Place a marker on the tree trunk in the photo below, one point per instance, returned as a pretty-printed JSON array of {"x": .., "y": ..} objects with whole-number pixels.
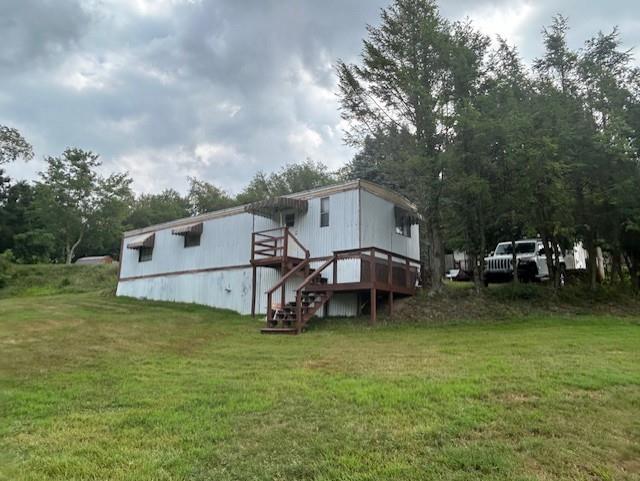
[
  {"x": 477, "y": 274},
  {"x": 634, "y": 271},
  {"x": 483, "y": 247},
  {"x": 592, "y": 262},
  {"x": 548, "y": 252},
  {"x": 616, "y": 267},
  {"x": 514, "y": 261},
  {"x": 436, "y": 255},
  {"x": 557, "y": 272},
  {"x": 71, "y": 251}
]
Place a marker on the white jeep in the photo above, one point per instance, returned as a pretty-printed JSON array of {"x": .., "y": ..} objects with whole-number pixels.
[{"x": 532, "y": 263}]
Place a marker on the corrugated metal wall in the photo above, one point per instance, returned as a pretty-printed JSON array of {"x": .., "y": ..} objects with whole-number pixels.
[
  {"x": 226, "y": 241},
  {"x": 342, "y": 232},
  {"x": 229, "y": 289},
  {"x": 379, "y": 227}
]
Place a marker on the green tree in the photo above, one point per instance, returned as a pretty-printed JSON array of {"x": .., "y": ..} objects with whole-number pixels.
[
  {"x": 289, "y": 179},
  {"x": 12, "y": 147},
  {"x": 15, "y": 212},
  {"x": 608, "y": 84},
  {"x": 74, "y": 202},
  {"x": 150, "y": 209},
  {"x": 417, "y": 69},
  {"x": 206, "y": 197}
]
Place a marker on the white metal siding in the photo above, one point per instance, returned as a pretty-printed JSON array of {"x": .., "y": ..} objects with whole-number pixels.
[
  {"x": 229, "y": 289},
  {"x": 226, "y": 241},
  {"x": 342, "y": 231},
  {"x": 379, "y": 227}
]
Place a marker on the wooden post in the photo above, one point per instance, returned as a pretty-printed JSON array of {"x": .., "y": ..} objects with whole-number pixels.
[
  {"x": 269, "y": 310},
  {"x": 335, "y": 269},
  {"x": 285, "y": 245},
  {"x": 374, "y": 307},
  {"x": 374, "y": 293},
  {"x": 253, "y": 279},
  {"x": 390, "y": 303},
  {"x": 283, "y": 287},
  {"x": 253, "y": 292},
  {"x": 372, "y": 267},
  {"x": 299, "y": 311},
  {"x": 390, "y": 270},
  {"x": 285, "y": 255}
]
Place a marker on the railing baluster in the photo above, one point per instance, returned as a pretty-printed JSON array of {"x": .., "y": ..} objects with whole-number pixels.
[{"x": 335, "y": 269}]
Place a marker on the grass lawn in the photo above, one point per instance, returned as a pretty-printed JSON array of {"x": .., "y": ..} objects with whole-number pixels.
[{"x": 94, "y": 387}]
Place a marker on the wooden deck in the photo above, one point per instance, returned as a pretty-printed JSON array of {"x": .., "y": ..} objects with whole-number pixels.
[{"x": 382, "y": 272}]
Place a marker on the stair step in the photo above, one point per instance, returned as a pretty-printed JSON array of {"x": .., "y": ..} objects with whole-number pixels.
[{"x": 279, "y": 330}]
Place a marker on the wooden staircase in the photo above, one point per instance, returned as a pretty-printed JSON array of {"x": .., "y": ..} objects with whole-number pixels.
[
  {"x": 292, "y": 317},
  {"x": 277, "y": 248},
  {"x": 382, "y": 273},
  {"x": 285, "y": 320}
]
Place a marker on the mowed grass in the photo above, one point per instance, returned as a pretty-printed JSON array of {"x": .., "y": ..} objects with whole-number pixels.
[{"x": 95, "y": 387}]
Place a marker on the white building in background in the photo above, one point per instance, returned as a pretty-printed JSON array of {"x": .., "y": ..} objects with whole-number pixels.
[{"x": 312, "y": 249}]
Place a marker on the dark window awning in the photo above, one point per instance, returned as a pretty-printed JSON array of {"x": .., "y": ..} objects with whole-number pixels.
[
  {"x": 269, "y": 207},
  {"x": 188, "y": 229},
  {"x": 145, "y": 240},
  {"x": 403, "y": 215}
]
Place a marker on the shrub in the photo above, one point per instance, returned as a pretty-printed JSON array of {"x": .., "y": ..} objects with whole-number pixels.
[{"x": 6, "y": 267}]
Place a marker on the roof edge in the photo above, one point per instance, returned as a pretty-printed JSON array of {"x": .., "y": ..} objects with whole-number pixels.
[{"x": 370, "y": 187}]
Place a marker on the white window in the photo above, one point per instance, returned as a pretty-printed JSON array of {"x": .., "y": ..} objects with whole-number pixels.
[{"x": 324, "y": 212}]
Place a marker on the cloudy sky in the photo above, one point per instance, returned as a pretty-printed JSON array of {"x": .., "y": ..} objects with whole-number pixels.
[{"x": 216, "y": 89}]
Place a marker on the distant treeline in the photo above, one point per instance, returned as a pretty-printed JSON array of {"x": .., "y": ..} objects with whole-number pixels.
[{"x": 72, "y": 211}]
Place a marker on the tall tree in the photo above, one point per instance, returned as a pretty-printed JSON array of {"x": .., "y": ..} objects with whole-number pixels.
[
  {"x": 74, "y": 201},
  {"x": 554, "y": 144},
  {"x": 416, "y": 70},
  {"x": 15, "y": 212},
  {"x": 608, "y": 82},
  {"x": 12, "y": 147}
]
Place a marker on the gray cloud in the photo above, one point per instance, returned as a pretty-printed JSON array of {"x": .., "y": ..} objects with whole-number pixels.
[{"x": 216, "y": 89}]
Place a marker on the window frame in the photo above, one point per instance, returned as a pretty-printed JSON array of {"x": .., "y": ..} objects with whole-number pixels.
[
  {"x": 192, "y": 239},
  {"x": 325, "y": 217},
  {"x": 287, "y": 216},
  {"x": 402, "y": 227},
  {"x": 142, "y": 254}
]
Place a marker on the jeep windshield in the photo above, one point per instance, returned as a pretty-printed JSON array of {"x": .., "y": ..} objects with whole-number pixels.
[{"x": 521, "y": 248}]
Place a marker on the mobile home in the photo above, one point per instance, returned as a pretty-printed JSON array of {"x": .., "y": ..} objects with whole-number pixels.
[{"x": 339, "y": 250}]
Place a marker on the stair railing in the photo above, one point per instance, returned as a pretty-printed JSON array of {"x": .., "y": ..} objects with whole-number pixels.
[
  {"x": 281, "y": 284},
  {"x": 289, "y": 235},
  {"x": 299, "y": 321}
]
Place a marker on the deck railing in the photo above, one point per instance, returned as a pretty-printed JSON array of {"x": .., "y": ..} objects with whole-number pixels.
[{"x": 277, "y": 243}]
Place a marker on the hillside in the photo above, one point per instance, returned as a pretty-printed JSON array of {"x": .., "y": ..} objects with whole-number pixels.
[
  {"x": 456, "y": 303},
  {"x": 49, "y": 279}
]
